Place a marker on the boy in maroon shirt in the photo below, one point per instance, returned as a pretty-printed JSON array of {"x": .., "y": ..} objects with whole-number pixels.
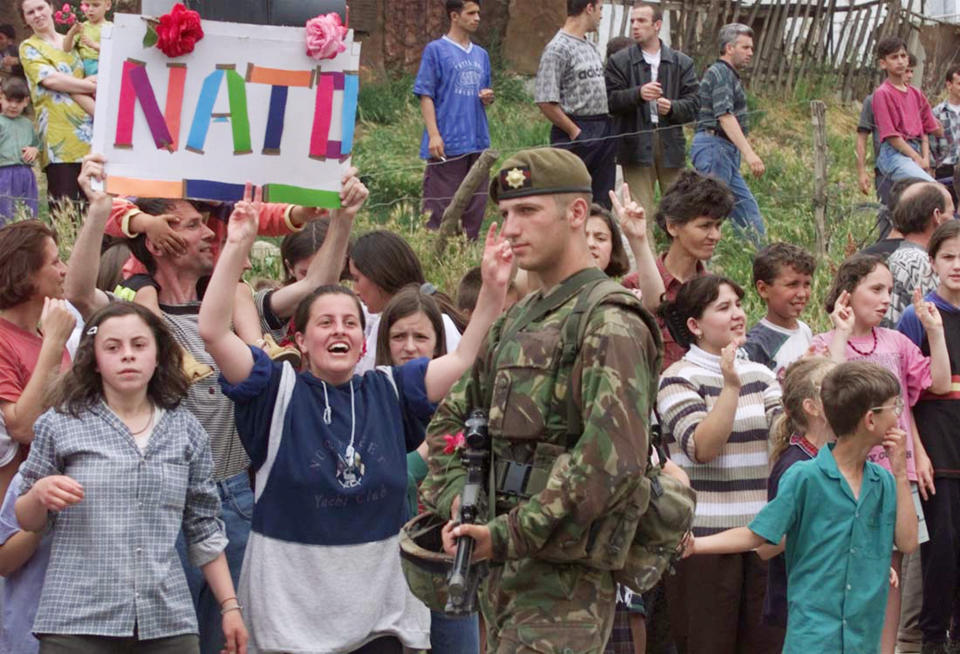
[{"x": 903, "y": 117}]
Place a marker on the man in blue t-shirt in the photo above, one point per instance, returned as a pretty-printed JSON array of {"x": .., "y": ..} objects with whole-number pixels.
[{"x": 454, "y": 89}]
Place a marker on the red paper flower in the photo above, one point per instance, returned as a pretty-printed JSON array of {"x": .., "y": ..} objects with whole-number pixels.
[
  {"x": 454, "y": 443},
  {"x": 325, "y": 35},
  {"x": 178, "y": 31}
]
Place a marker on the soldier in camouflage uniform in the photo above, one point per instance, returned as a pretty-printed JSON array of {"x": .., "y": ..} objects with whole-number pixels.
[{"x": 557, "y": 495}]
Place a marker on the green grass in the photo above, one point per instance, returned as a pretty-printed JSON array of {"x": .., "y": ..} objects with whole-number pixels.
[
  {"x": 782, "y": 134},
  {"x": 387, "y": 147}
]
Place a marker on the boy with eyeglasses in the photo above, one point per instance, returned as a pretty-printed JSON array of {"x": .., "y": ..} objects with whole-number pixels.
[{"x": 840, "y": 516}]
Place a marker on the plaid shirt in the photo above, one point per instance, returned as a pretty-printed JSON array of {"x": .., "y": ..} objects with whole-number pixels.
[
  {"x": 721, "y": 93},
  {"x": 114, "y": 563},
  {"x": 945, "y": 149}
]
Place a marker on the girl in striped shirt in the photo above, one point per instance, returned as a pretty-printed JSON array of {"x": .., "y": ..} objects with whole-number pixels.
[{"x": 716, "y": 411}]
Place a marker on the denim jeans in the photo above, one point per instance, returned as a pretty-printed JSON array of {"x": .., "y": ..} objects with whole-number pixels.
[
  {"x": 898, "y": 166},
  {"x": 450, "y": 635},
  {"x": 236, "y": 511},
  {"x": 719, "y": 158}
]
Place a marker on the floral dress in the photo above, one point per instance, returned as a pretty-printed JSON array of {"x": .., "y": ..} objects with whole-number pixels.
[{"x": 65, "y": 128}]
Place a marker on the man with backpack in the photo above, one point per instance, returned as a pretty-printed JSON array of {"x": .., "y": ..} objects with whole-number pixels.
[{"x": 567, "y": 378}]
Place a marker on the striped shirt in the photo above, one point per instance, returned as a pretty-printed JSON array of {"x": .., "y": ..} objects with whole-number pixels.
[
  {"x": 205, "y": 400},
  {"x": 731, "y": 488}
]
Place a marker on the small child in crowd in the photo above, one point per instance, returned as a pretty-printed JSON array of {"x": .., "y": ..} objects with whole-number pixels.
[
  {"x": 19, "y": 145},
  {"x": 797, "y": 435},
  {"x": 903, "y": 117},
  {"x": 783, "y": 277},
  {"x": 85, "y": 37},
  {"x": 841, "y": 516}
]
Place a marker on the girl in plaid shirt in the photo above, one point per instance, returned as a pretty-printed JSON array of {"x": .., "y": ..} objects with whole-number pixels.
[{"x": 118, "y": 469}]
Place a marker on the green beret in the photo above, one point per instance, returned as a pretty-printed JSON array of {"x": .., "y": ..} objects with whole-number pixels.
[{"x": 542, "y": 171}]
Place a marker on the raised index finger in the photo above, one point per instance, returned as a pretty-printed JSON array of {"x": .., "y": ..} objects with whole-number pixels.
[{"x": 247, "y": 188}]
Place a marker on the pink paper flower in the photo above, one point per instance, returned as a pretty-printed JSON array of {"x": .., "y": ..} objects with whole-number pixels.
[
  {"x": 454, "y": 443},
  {"x": 325, "y": 35}
]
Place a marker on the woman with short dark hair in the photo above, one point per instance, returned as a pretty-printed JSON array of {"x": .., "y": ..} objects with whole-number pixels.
[{"x": 31, "y": 294}]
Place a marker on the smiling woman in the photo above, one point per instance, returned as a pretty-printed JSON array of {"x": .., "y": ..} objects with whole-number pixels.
[
  {"x": 717, "y": 410},
  {"x": 331, "y": 474}
]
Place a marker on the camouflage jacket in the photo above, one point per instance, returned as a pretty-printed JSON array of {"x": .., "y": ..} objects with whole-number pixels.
[{"x": 614, "y": 382}]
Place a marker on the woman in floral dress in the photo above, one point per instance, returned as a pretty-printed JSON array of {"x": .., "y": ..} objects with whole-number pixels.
[{"x": 54, "y": 77}]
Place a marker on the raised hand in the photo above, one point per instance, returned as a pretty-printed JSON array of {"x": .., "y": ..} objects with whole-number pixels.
[
  {"x": 629, "y": 214},
  {"x": 160, "y": 232},
  {"x": 353, "y": 195},
  {"x": 245, "y": 219},
  {"x": 728, "y": 363},
  {"x": 57, "y": 492},
  {"x": 92, "y": 171},
  {"x": 895, "y": 445},
  {"x": 497, "y": 264},
  {"x": 927, "y": 312},
  {"x": 842, "y": 316},
  {"x": 56, "y": 320}
]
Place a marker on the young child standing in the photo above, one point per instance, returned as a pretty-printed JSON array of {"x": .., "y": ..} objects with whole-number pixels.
[
  {"x": 85, "y": 37},
  {"x": 841, "y": 515},
  {"x": 903, "y": 117},
  {"x": 19, "y": 148},
  {"x": 783, "y": 276},
  {"x": 797, "y": 435},
  {"x": 857, "y": 302},
  {"x": 937, "y": 418}
]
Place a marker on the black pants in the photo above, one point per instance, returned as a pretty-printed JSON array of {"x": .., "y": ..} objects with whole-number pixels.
[
  {"x": 62, "y": 186},
  {"x": 940, "y": 559},
  {"x": 598, "y": 150},
  {"x": 60, "y": 644},
  {"x": 441, "y": 179}
]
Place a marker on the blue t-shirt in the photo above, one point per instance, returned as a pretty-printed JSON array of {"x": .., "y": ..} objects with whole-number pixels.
[
  {"x": 453, "y": 77},
  {"x": 316, "y": 493}
]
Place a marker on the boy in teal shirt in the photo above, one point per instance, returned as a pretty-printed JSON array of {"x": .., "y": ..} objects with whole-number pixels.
[{"x": 841, "y": 516}]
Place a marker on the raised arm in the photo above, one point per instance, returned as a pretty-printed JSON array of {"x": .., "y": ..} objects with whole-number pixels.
[
  {"x": 328, "y": 262},
  {"x": 633, "y": 221},
  {"x": 712, "y": 433},
  {"x": 80, "y": 286},
  {"x": 232, "y": 355},
  {"x": 932, "y": 323},
  {"x": 495, "y": 270}
]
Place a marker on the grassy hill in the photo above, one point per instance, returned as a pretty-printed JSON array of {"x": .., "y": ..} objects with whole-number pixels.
[{"x": 388, "y": 144}]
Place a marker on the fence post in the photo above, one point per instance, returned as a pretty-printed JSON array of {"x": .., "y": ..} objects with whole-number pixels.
[
  {"x": 450, "y": 223},
  {"x": 818, "y": 113}
]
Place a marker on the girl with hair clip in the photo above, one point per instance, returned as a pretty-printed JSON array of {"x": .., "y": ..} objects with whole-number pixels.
[
  {"x": 411, "y": 327},
  {"x": 381, "y": 263},
  {"x": 857, "y": 303},
  {"x": 329, "y": 450},
  {"x": 717, "y": 411},
  {"x": 118, "y": 468},
  {"x": 797, "y": 435}
]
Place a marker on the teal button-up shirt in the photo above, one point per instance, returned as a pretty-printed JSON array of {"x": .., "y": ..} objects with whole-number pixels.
[{"x": 838, "y": 554}]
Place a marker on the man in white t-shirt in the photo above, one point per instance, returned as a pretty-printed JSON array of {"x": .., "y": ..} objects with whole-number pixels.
[{"x": 945, "y": 150}]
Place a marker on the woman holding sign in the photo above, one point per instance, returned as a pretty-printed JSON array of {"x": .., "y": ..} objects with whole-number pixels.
[{"x": 56, "y": 83}]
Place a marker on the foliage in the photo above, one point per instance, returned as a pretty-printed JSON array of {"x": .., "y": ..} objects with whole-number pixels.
[{"x": 387, "y": 147}]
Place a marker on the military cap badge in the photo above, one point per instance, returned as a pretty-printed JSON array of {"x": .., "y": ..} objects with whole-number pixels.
[{"x": 515, "y": 178}]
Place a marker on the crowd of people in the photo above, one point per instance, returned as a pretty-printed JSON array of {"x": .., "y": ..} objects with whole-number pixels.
[{"x": 191, "y": 464}]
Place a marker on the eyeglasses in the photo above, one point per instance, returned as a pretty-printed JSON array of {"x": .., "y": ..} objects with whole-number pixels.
[{"x": 897, "y": 407}]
